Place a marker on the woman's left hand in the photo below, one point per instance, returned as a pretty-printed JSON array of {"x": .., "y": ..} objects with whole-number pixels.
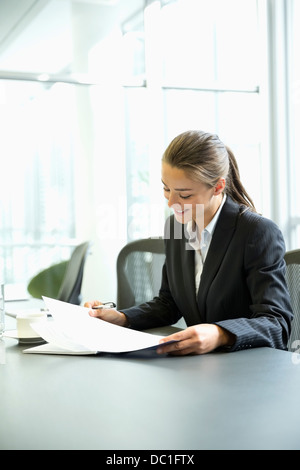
[{"x": 198, "y": 339}]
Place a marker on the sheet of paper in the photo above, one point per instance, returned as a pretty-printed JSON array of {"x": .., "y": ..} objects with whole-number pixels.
[
  {"x": 72, "y": 328},
  {"x": 48, "y": 348},
  {"x": 51, "y": 332}
]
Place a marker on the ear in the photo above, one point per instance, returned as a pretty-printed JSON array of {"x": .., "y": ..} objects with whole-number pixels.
[{"x": 220, "y": 186}]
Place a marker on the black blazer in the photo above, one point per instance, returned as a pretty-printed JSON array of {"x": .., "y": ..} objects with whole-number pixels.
[{"x": 242, "y": 288}]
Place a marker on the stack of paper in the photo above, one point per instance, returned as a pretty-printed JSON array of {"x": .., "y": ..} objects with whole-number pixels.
[{"x": 73, "y": 331}]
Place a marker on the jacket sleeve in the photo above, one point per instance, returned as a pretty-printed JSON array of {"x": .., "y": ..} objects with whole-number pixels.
[
  {"x": 271, "y": 314},
  {"x": 160, "y": 311}
]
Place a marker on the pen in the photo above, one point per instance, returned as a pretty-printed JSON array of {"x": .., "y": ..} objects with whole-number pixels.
[{"x": 105, "y": 305}]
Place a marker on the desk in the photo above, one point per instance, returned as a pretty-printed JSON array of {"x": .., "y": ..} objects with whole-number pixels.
[{"x": 241, "y": 400}]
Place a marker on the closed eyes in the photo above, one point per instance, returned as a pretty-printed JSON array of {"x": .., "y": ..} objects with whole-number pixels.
[{"x": 182, "y": 197}]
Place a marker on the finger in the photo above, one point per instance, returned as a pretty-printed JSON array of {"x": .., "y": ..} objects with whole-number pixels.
[
  {"x": 179, "y": 336},
  {"x": 176, "y": 347},
  {"x": 93, "y": 303},
  {"x": 183, "y": 352},
  {"x": 176, "y": 351},
  {"x": 96, "y": 313},
  {"x": 103, "y": 314}
]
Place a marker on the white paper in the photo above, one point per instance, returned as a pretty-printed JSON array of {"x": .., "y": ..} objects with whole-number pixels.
[
  {"x": 73, "y": 329},
  {"x": 53, "y": 349},
  {"x": 51, "y": 332}
]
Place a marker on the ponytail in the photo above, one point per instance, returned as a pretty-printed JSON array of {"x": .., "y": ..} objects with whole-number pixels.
[
  {"x": 206, "y": 159},
  {"x": 234, "y": 186}
]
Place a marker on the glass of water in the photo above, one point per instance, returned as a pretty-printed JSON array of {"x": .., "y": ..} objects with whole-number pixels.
[{"x": 2, "y": 310}]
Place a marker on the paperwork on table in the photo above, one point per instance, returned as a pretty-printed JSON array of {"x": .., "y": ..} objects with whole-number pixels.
[{"x": 71, "y": 330}]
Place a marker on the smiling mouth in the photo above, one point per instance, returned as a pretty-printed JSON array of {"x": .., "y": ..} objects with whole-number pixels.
[{"x": 180, "y": 211}]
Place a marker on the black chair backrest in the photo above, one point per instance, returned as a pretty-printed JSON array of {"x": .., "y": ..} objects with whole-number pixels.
[
  {"x": 292, "y": 259},
  {"x": 70, "y": 289},
  {"x": 139, "y": 271}
]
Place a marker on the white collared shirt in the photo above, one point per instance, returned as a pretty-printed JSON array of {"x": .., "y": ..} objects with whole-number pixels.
[{"x": 201, "y": 245}]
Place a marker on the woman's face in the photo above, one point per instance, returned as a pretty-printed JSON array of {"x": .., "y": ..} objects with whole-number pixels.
[{"x": 190, "y": 200}]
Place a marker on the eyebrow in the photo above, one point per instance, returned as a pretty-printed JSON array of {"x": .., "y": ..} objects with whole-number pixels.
[{"x": 178, "y": 189}]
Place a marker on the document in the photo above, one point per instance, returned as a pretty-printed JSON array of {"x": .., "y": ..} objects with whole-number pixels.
[{"x": 71, "y": 330}]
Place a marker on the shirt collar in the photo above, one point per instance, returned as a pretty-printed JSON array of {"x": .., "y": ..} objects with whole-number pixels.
[
  {"x": 211, "y": 226},
  {"x": 206, "y": 233}
]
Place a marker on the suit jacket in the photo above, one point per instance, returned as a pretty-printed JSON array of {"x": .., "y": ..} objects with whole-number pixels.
[{"x": 242, "y": 287}]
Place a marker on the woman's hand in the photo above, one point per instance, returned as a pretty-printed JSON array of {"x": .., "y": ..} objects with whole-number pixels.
[
  {"x": 198, "y": 339},
  {"x": 110, "y": 315}
]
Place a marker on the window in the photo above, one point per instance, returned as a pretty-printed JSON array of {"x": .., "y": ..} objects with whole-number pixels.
[
  {"x": 196, "y": 76},
  {"x": 50, "y": 142},
  {"x": 293, "y": 18},
  {"x": 36, "y": 193},
  {"x": 90, "y": 145}
]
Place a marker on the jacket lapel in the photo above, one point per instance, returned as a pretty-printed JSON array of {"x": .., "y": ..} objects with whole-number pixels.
[
  {"x": 189, "y": 291},
  {"x": 221, "y": 238}
]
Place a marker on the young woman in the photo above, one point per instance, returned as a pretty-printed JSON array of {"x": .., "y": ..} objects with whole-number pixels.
[{"x": 224, "y": 270}]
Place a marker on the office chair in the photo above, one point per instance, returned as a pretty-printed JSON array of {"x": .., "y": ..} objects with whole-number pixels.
[
  {"x": 139, "y": 271},
  {"x": 292, "y": 259},
  {"x": 62, "y": 281}
]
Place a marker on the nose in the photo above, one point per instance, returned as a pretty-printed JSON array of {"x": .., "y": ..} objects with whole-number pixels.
[{"x": 172, "y": 199}]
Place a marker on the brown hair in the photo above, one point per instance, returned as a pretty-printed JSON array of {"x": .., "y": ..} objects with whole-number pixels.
[{"x": 206, "y": 159}]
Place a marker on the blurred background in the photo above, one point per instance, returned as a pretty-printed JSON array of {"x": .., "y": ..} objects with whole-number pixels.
[{"x": 91, "y": 93}]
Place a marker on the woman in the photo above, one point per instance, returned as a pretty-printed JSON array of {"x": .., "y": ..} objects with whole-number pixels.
[{"x": 224, "y": 270}]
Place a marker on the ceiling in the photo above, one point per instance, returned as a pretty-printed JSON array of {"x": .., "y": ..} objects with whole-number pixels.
[{"x": 40, "y": 36}]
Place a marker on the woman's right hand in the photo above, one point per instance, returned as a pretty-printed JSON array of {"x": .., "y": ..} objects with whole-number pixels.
[{"x": 110, "y": 315}]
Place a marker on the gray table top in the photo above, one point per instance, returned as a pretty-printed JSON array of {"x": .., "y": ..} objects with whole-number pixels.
[{"x": 241, "y": 400}]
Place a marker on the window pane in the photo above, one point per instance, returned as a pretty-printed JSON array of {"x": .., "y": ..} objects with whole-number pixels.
[
  {"x": 188, "y": 46},
  {"x": 54, "y": 37},
  {"x": 133, "y": 47},
  {"x": 237, "y": 46},
  {"x": 199, "y": 57},
  {"x": 36, "y": 192},
  {"x": 137, "y": 163},
  {"x": 294, "y": 128},
  {"x": 239, "y": 127},
  {"x": 233, "y": 116},
  {"x": 205, "y": 42},
  {"x": 188, "y": 109}
]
